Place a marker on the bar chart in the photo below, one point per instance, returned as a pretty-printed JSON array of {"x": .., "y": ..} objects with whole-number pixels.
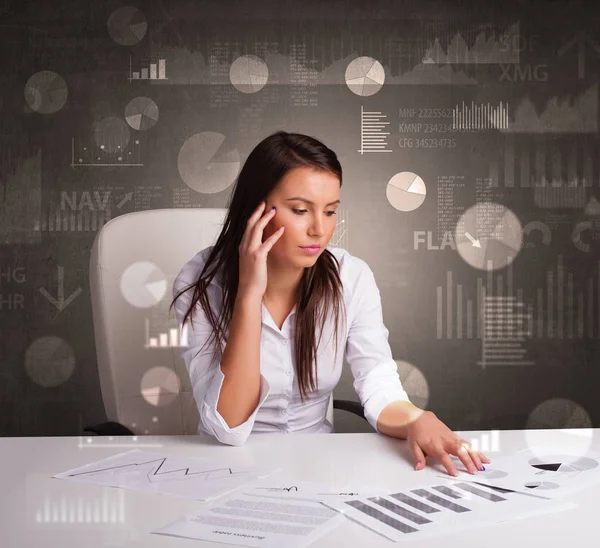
[
  {"x": 168, "y": 339},
  {"x": 54, "y": 219},
  {"x": 557, "y": 310},
  {"x": 155, "y": 70},
  {"x": 478, "y": 117},
  {"x": 559, "y": 175},
  {"x": 109, "y": 508},
  {"x": 372, "y": 136}
]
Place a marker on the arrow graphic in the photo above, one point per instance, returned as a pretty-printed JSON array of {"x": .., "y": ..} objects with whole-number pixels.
[
  {"x": 580, "y": 39},
  {"x": 126, "y": 198},
  {"x": 60, "y": 303},
  {"x": 472, "y": 240}
]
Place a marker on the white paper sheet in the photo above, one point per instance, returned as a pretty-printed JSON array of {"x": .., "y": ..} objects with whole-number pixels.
[
  {"x": 186, "y": 477},
  {"x": 269, "y": 515},
  {"x": 437, "y": 509},
  {"x": 282, "y": 485},
  {"x": 551, "y": 476}
]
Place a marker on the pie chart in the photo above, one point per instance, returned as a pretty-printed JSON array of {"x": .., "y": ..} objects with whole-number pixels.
[
  {"x": 406, "y": 191},
  {"x": 249, "y": 74},
  {"x": 208, "y": 163},
  {"x": 143, "y": 284},
  {"x": 364, "y": 76},
  {"x": 559, "y": 413},
  {"x": 46, "y": 92},
  {"x": 141, "y": 113},
  {"x": 563, "y": 463},
  {"x": 160, "y": 386},
  {"x": 414, "y": 383},
  {"x": 49, "y": 361},
  {"x": 127, "y": 26},
  {"x": 488, "y": 236}
]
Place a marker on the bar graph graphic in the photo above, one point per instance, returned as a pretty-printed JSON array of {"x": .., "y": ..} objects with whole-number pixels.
[
  {"x": 372, "y": 136},
  {"x": 559, "y": 172},
  {"x": 563, "y": 313},
  {"x": 108, "y": 508},
  {"x": 20, "y": 196},
  {"x": 477, "y": 117},
  {"x": 55, "y": 219},
  {"x": 168, "y": 339},
  {"x": 486, "y": 442},
  {"x": 556, "y": 311},
  {"x": 156, "y": 70}
]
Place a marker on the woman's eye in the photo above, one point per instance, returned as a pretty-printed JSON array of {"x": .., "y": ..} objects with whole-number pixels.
[{"x": 302, "y": 211}]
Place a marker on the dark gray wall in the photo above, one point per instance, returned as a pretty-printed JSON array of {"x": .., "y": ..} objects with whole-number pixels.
[{"x": 507, "y": 344}]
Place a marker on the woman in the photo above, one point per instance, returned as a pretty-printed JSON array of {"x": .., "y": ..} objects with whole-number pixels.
[{"x": 264, "y": 291}]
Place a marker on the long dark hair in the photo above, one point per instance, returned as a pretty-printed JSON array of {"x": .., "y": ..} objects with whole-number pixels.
[{"x": 320, "y": 285}]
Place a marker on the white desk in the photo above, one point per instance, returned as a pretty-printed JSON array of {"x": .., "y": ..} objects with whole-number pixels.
[{"x": 32, "y": 499}]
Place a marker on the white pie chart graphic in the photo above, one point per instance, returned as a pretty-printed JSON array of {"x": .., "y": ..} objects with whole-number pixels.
[
  {"x": 127, "y": 25},
  {"x": 143, "y": 284},
  {"x": 488, "y": 236},
  {"x": 46, "y": 92},
  {"x": 208, "y": 163},
  {"x": 141, "y": 113},
  {"x": 406, "y": 191},
  {"x": 160, "y": 386},
  {"x": 249, "y": 74},
  {"x": 364, "y": 76}
]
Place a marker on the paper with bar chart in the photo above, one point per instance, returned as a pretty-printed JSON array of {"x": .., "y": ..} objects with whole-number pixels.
[
  {"x": 438, "y": 509},
  {"x": 152, "y": 472},
  {"x": 552, "y": 475}
]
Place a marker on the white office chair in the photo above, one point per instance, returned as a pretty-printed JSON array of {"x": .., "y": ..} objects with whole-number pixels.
[{"x": 134, "y": 262}]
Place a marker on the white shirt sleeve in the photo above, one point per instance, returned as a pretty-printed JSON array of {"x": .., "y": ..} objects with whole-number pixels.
[
  {"x": 205, "y": 372},
  {"x": 368, "y": 352}
]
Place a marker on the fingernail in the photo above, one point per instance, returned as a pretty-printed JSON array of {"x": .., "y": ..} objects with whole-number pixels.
[
  {"x": 482, "y": 468},
  {"x": 455, "y": 473},
  {"x": 272, "y": 208}
]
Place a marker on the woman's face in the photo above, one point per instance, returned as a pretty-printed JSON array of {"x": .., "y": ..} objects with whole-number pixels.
[{"x": 306, "y": 200}]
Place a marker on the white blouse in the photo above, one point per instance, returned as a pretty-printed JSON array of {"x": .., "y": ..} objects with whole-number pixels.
[{"x": 280, "y": 409}]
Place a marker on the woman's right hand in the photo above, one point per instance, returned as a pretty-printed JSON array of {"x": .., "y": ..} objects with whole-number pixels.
[{"x": 253, "y": 252}]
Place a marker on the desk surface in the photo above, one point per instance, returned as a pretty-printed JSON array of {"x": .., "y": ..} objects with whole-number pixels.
[{"x": 30, "y": 494}]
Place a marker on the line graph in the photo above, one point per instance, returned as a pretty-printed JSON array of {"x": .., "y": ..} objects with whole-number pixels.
[
  {"x": 154, "y": 474},
  {"x": 178, "y": 475}
]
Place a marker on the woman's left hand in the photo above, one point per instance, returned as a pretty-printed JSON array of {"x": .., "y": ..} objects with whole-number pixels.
[{"x": 427, "y": 435}]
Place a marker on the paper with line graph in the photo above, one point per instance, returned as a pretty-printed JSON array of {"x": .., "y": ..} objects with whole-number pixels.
[
  {"x": 438, "y": 509},
  {"x": 187, "y": 477}
]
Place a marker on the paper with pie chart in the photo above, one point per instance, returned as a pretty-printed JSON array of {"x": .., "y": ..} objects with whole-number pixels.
[
  {"x": 152, "y": 472},
  {"x": 551, "y": 475}
]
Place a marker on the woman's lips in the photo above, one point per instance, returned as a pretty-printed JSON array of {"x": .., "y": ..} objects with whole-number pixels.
[{"x": 311, "y": 250}]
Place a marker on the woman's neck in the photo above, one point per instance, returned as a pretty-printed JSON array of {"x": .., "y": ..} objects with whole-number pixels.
[{"x": 282, "y": 284}]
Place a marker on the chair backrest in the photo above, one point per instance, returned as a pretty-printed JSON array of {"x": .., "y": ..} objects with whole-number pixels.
[{"x": 134, "y": 262}]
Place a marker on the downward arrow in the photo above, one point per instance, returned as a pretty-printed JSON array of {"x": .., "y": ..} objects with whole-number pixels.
[
  {"x": 60, "y": 303},
  {"x": 472, "y": 240}
]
